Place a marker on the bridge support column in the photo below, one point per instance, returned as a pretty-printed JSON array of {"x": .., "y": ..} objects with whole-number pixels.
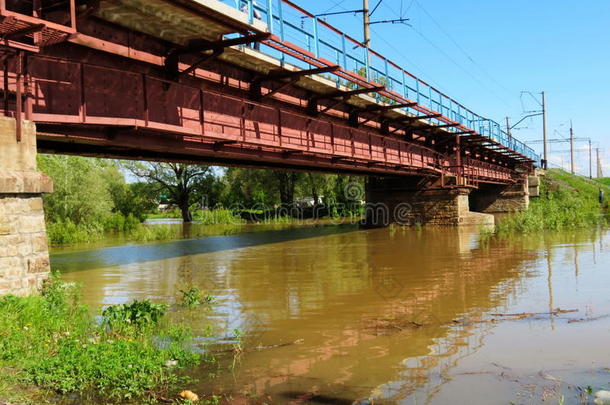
[
  {"x": 496, "y": 199},
  {"x": 414, "y": 201},
  {"x": 24, "y": 254}
]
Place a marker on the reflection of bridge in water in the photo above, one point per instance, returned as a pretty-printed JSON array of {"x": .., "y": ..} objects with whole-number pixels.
[{"x": 352, "y": 303}]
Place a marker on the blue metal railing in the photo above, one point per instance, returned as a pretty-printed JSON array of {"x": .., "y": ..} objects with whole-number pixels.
[{"x": 295, "y": 25}]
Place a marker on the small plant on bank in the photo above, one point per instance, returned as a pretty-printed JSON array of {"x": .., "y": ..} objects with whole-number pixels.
[{"x": 137, "y": 314}]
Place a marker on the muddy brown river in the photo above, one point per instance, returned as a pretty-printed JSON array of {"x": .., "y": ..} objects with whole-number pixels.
[{"x": 332, "y": 314}]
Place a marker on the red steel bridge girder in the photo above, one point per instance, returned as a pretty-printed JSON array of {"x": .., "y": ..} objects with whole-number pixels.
[{"x": 61, "y": 94}]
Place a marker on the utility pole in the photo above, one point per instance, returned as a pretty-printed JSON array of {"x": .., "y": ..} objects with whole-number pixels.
[
  {"x": 571, "y": 148},
  {"x": 599, "y": 166},
  {"x": 590, "y": 162},
  {"x": 545, "y": 165},
  {"x": 367, "y": 23},
  {"x": 508, "y": 127}
]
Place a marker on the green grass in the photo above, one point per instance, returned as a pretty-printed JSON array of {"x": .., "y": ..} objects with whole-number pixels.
[
  {"x": 50, "y": 343},
  {"x": 566, "y": 202},
  {"x": 605, "y": 181},
  {"x": 217, "y": 217}
]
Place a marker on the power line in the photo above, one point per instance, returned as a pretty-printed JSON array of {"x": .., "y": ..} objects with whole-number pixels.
[
  {"x": 375, "y": 8},
  {"x": 440, "y": 50},
  {"x": 335, "y": 4},
  {"x": 459, "y": 47},
  {"x": 400, "y": 55},
  {"x": 476, "y": 79}
]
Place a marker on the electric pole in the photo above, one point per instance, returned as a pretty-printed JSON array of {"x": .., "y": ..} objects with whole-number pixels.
[
  {"x": 545, "y": 165},
  {"x": 599, "y": 167},
  {"x": 590, "y": 162},
  {"x": 508, "y": 127},
  {"x": 571, "y": 148},
  {"x": 367, "y": 23}
]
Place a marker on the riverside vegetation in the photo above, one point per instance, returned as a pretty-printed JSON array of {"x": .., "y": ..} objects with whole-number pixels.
[
  {"x": 51, "y": 345},
  {"x": 566, "y": 201},
  {"x": 92, "y": 198}
]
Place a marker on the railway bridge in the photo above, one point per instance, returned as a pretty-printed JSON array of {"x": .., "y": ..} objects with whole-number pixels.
[{"x": 232, "y": 83}]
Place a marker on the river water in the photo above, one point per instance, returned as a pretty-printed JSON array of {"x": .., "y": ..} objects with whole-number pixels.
[{"x": 333, "y": 314}]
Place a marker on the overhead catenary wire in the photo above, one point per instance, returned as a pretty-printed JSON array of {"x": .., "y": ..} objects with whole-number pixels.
[
  {"x": 335, "y": 5},
  {"x": 399, "y": 54},
  {"x": 459, "y": 47},
  {"x": 449, "y": 57},
  {"x": 375, "y": 8}
]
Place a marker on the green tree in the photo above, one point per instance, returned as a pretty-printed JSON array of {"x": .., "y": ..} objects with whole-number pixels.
[
  {"x": 135, "y": 199},
  {"x": 286, "y": 185},
  {"x": 249, "y": 188},
  {"x": 81, "y": 192},
  {"x": 177, "y": 181}
]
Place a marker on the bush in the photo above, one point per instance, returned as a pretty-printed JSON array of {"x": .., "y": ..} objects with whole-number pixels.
[
  {"x": 566, "y": 202},
  {"x": 137, "y": 314},
  {"x": 63, "y": 232},
  {"x": 217, "y": 217},
  {"x": 145, "y": 233},
  {"x": 120, "y": 223},
  {"x": 53, "y": 342}
]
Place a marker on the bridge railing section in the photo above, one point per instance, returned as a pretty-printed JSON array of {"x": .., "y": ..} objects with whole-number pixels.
[
  {"x": 69, "y": 92},
  {"x": 295, "y": 25},
  {"x": 479, "y": 170}
]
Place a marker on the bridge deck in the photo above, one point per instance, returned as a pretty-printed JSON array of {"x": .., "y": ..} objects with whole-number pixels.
[
  {"x": 75, "y": 96},
  {"x": 294, "y": 46}
]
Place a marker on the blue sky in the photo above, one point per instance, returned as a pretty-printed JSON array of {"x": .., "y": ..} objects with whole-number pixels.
[{"x": 484, "y": 53}]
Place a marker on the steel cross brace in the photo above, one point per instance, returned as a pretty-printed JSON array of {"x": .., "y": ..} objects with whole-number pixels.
[
  {"x": 402, "y": 122},
  {"x": 378, "y": 109},
  {"x": 420, "y": 117},
  {"x": 23, "y": 32},
  {"x": 312, "y": 105},
  {"x": 202, "y": 45},
  {"x": 293, "y": 76}
]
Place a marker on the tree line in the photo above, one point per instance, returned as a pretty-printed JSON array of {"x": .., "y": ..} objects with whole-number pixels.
[{"x": 113, "y": 195}]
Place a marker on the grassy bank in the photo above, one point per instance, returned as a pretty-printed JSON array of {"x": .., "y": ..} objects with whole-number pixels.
[
  {"x": 51, "y": 346},
  {"x": 566, "y": 202}
]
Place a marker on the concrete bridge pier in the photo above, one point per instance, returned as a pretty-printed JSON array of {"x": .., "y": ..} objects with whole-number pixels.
[
  {"x": 24, "y": 254},
  {"x": 418, "y": 201}
]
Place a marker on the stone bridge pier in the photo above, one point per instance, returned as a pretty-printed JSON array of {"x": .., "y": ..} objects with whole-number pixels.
[
  {"x": 24, "y": 254},
  {"x": 496, "y": 199},
  {"x": 418, "y": 201}
]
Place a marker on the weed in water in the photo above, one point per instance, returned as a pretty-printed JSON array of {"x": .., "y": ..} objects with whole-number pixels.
[{"x": 193, "y": 297}]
